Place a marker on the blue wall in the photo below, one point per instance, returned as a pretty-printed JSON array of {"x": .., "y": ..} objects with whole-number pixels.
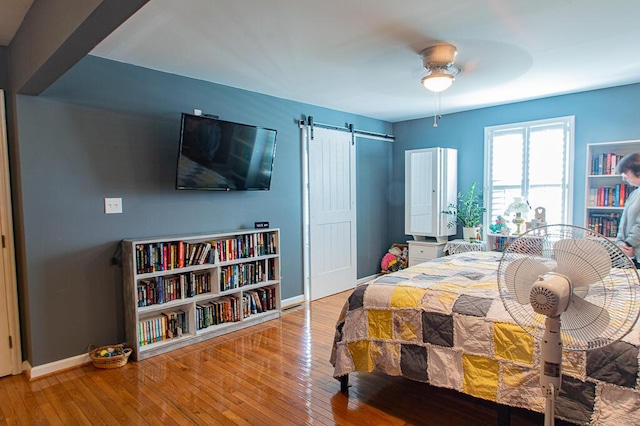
[
  {"x": 600, "y": 116},
  {"x": 107, "y": 129}
]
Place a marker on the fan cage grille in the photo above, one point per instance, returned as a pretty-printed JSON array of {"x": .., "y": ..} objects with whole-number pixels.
[{"x": 614, "y": 294}]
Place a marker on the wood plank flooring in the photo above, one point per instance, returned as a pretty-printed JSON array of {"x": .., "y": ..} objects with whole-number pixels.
[{"x": 276, "y": 373}]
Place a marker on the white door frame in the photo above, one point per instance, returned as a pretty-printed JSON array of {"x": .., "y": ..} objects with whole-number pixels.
[{"x": 8, "y": 281}]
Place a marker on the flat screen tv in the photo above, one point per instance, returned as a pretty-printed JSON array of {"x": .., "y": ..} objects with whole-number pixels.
[{"x": 220, "y": 155}]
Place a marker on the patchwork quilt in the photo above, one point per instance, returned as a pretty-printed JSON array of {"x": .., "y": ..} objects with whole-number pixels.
[{"x": 442, "y": 322}]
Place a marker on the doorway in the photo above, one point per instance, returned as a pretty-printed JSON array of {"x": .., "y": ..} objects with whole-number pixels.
[{"x": 10, "y": 353}]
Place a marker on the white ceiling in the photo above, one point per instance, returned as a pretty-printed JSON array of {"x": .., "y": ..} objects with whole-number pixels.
[{"x": 362, "y": 56}]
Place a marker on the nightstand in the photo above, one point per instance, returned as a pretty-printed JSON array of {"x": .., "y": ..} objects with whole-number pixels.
[{"x": 421, "y": 251}]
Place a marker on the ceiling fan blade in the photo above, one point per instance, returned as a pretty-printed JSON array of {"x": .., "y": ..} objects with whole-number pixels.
[
  {"x": 520, "y": 275},
  {"x": 583, "y": 261},
  {"x": 583, "y": 320}
]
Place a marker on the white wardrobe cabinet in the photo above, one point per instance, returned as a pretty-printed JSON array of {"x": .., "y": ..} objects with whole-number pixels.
[{"x": 430, "y": 186}]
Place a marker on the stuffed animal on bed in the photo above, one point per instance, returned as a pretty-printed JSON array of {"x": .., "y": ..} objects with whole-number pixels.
[{"x": 394, "y": 260}]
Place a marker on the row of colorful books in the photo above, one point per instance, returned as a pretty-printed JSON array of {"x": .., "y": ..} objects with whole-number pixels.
[
  {"x": 259, "y": 300},
  {"x": 604, "y": 223},
  {"x": 171, "y": 255},
  {"x": 605, "y": 164},
  {"x": 165, "y": 256},
  {"x": 162, "y": 327},
  {"x": 158, "y": 290},
  {"x": 500, "y": 243},
  {"x": 228, "y": 309},
  {"x": 239, "y": 275},
  {"x": 610, "y": 196},
  {"x": 217, "y": 312},
  {"x": 246, "y": 246}
]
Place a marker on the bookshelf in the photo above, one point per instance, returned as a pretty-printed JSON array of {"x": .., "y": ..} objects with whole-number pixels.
[
  {"x": 499, "y": 242},
  {"x": 605, "y": 190},
  {"x": 185, "y": 289}
]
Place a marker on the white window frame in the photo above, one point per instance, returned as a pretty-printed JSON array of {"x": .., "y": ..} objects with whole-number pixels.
[{"x": 525, "y": 127}]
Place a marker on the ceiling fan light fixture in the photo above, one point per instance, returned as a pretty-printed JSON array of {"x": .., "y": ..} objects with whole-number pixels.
[{"x": 438, "y": 81}]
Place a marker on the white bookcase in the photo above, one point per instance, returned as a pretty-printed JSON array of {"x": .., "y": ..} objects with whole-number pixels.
[
  {"x": 605, "y": 190},
  {"x": 184, "y": 289}
]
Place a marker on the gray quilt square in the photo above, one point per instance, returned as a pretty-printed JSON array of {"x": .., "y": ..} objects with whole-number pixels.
[
  {"x": 472, "y": 305},
  {"x": 427, "y": 277},
  {"x": 616, "y": 363},
  {"x": 356, "y": 299},
  {"x": 389, "y": 279},
  {"x": 474, "y": 276},
  {"x": 437, "y": 329},
  {"x": 575, "y": 400},
  {"x": 413, "y": 362}
]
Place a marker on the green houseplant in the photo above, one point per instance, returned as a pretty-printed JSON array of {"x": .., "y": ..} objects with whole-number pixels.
[{"x": 469, "y": 210}]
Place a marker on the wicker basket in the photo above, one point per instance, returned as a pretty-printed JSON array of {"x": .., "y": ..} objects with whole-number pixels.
[{"x": 115, "y": 361}]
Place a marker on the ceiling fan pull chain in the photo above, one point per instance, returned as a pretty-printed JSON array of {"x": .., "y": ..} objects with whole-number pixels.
[{"x": 436, "y": 108}]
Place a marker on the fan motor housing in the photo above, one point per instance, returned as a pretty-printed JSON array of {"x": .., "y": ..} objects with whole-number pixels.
[{"x": 550, "y": 295}]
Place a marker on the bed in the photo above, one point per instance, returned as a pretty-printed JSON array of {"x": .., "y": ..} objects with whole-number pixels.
[{"x": 442, "y": 322}]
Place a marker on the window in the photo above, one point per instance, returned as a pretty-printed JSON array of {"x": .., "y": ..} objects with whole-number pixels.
[{"x": 531, "y": 160}]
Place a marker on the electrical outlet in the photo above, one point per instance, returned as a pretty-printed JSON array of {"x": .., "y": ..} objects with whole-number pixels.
[{"x": 112, "y": 205}]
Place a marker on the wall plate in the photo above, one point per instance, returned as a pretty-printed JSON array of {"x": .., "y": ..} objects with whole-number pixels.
[{"x": 112, "y": 205}]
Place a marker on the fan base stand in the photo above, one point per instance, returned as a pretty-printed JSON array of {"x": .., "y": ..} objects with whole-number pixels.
[{"x": 550, "y": 406}]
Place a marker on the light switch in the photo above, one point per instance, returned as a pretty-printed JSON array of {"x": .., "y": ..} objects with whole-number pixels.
[{"x": 112, "y": 205}]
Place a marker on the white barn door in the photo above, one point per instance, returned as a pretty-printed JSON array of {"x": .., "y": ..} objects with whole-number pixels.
[{"x": 332, "y": 213}]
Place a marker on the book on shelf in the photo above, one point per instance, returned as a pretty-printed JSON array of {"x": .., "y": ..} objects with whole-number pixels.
[
  {"x": 167, "y": 325},
  {"x": 609, "y": 196},
  {"x": 162, "y": 289},
  {"x": 605, "y": 163},
  {"x": 604, "y": 223}
]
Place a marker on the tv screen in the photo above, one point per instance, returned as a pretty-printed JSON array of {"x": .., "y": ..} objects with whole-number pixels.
[{"x": 224, "y": 156}]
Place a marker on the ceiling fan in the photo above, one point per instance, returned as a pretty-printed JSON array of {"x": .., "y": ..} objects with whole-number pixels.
[{"x": 439, "y": 62}]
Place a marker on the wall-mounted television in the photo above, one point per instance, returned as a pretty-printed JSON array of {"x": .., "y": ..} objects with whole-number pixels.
[{"x": 221, "y": 155}]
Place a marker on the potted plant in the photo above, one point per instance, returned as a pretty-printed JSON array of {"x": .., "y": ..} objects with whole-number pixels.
[{"x": 468, "y": 212}]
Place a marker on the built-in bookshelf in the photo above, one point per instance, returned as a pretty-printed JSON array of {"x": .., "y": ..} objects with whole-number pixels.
[
  {"x": 184, "y": 289},
  {"x": 606, "y": 192}
]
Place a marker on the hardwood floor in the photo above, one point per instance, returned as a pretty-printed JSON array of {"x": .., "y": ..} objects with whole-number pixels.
[{"x": 276, "y": 373}]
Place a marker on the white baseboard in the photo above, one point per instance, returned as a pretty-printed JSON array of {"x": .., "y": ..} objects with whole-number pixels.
[
  {"x": 292, "y": 301},
  {"x": 365, "y": 279},
  {"x": 54, "y": 367}
]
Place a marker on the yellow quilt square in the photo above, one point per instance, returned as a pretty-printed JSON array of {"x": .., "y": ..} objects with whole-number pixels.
[
  {"x": 380, "y": 324},
  {"x": 512, "y": 343},
  {"x": 406, "y": 297},
  {"x": 361, "y": 355},
  {"x": 480, "y": 376}
]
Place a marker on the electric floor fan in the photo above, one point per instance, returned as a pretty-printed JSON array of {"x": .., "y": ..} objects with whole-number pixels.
[{"x": 570, "y": 288}]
